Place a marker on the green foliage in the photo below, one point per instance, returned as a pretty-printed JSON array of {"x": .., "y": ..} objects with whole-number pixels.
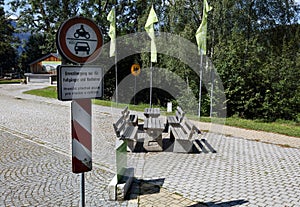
[
  {"x": 8, "y": 53},
  {"x": 257, "y": 57},
  {"x": 44, "y": 18},
  {"x": 32, "y": 51},
  {"x": 254, "y": 45}
]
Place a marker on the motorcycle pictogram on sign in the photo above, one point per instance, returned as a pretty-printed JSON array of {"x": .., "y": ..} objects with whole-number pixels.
[{"x": 82, "y": 33}]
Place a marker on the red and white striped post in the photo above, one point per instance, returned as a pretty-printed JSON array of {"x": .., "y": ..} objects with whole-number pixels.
[
  {"x": 81, "y": 113},
  {"x": 81, "y": 118}
]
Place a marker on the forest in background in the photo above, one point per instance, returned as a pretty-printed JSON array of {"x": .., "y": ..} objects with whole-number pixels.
[{"x": 253, "y": 44}]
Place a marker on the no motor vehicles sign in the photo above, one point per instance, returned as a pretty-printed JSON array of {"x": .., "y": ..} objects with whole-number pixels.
[{"x": 80, "y": 40}]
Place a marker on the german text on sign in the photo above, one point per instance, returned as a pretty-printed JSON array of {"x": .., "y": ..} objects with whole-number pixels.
[{"x": 79, "y": 82}]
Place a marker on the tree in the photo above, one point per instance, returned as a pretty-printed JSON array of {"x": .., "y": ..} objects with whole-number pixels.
[
  {"x": 250, "y": 52},
  {"x": 32, "y": 51},
  {"x": 8, "y": 53},
  {"x": 254, "y": 45},
  {"x": 44, "y": 18}
]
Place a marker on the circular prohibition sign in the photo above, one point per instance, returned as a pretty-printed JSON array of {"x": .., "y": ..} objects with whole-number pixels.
[
  {"x": 79, "y": 40},
  {"x": 135, "y": 69}
]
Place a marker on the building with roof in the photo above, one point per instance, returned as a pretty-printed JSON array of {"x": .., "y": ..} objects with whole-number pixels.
[
  {"x": 46, "y": 64},
  {"x": 43, "y": 69}
]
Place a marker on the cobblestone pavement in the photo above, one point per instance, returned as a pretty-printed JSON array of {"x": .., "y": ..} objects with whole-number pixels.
[
  {"x": 35, "y": 163},
  {"x": 241, "y": 172},
  {"x": 34, "y": 175}
]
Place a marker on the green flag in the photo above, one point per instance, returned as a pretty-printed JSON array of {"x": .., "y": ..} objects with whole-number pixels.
[
  {"x": 112, "y": 31},
  {"x": 152, "y": 18},
  {"x": 202, "y": 30}
]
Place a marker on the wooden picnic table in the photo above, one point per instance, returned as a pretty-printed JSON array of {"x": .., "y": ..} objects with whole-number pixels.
[
  {"x": 154, "y": 128},
  {"x": 152, "y": 112}
]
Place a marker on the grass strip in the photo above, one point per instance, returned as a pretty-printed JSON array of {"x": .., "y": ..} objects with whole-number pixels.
[
  {"x": 13, "y": 81},
  {"x": 48, "y": 92}
]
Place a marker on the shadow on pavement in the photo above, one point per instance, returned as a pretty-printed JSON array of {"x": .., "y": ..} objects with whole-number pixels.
[
  {"x": 223, "y": 204},
  {"x": 144, "y": 187},
  {"x": 199, "y": 146},
  {"x": 205, "y": 146}
]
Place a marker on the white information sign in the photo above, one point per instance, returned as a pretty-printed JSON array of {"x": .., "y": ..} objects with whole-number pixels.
[{"x": 79, "y": 82}]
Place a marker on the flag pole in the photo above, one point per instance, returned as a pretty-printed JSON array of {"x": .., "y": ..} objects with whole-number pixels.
[
  {"x": 150, "y": 84},
  {"x": 152, "y": 18},
  {"x": 201, "y": 42},
  {"x": 113, "y": 44},
  {"x": 211, "y": 93},
  {"x": 116, "y": 60},
  {"x": 200, "y": 84},
  {"x": 116, "y": 70}
]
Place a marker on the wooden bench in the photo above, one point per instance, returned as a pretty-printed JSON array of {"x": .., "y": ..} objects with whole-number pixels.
[
  {"x": 132, "y": 119},
  {"x": 125, "y": 130},
  {"x": 179, "y": 115},
  {"x": 124, "y": 116},
  {"x": 175, "y": 120},
  {"x": 152, "y": 112},
  {"x": 182, "y": 135},
  {"x": 128, "y": 133}
]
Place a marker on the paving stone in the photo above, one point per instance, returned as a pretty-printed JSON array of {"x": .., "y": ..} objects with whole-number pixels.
[{"x": 241, "y": 169}]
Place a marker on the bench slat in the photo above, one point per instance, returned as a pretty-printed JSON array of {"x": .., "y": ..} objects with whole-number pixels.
[
  {"x": 178, "y": 118},
  {"x": 182, "y": 135},
  {"x": 183, "y": 131},
  {"x": 130, "y": 133}
]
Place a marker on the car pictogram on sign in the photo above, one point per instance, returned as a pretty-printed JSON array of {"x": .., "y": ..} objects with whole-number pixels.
[{"x": 82, "y": 47}]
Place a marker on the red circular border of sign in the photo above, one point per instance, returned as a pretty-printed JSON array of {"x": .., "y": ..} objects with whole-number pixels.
[{"x": 62, "y": 45}]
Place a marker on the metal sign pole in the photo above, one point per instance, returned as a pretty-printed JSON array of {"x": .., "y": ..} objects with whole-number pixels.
[
  {"x": 135, "y": 70},
  {"x": 134, "y": 90},
  {"x": 82, "y": 191}
]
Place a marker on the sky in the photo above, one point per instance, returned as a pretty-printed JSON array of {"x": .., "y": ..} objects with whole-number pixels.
[{"x": 6, "y": 7}]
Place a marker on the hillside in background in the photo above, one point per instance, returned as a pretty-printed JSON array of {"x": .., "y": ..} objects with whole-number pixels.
[{"x": 23, "y": 37}]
